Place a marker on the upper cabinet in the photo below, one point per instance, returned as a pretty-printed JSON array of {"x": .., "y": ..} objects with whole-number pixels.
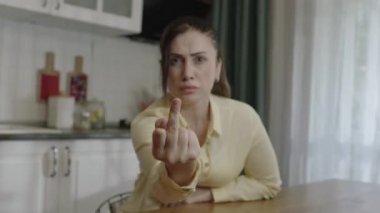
[
  {"x": 23, "y": 8},
  {"x": 110, "y": 17}
]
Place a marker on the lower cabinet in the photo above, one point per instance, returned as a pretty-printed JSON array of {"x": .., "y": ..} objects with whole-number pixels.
[
  {"x": 24, "y": 187},
  {"x": 64, "y": 176}
]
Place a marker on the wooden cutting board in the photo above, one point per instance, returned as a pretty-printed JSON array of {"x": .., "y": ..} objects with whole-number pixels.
[
  {"x": 78, "y": 81},
  {"x": 48, "y": 79}
]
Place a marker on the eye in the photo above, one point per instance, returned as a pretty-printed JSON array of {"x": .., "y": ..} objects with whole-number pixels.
[
  {"x": 199, "y": 59},
  {"x": 173, "y": 61}
]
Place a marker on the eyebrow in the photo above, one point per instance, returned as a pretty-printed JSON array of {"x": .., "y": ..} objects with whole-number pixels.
[
  {"x": 192, "y": 54},
  {"x": 197, "y": 53}
]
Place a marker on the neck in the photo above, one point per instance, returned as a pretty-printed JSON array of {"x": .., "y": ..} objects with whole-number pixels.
[{"x": 196, "y": 114}]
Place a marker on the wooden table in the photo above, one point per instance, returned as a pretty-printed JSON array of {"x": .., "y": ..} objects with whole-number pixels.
[{"x": 332, "y": 196}]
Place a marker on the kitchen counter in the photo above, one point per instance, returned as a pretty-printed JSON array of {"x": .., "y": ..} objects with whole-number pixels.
[{"x": 21, "y": 132}]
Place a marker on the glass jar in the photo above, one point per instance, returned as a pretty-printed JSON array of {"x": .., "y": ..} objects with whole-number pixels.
[
  {"x": 97, "y": 113},
  {"x": 89, "y": 115},
  {"x": 82, "y": 117}
]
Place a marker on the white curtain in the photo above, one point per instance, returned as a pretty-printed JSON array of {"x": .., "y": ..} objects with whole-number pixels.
[{"x": 324, "y": 116}]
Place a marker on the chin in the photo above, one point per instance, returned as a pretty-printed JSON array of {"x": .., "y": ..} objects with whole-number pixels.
[
  {"x": 188, "y": 99},
  {"x": 191, "y": 99}
]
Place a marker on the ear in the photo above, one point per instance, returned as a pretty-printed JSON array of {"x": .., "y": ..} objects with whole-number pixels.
[{"x": 219, "y": 65}]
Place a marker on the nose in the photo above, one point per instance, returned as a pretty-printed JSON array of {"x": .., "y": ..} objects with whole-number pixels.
[{"x": 188, "y": 71}]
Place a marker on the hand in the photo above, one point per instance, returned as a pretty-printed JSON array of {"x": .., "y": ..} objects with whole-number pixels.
[
  {"x": 177, "y": 147},
  {"x": 201, "y": 195}
]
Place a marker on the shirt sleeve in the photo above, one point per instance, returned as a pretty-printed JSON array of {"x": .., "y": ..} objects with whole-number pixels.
[
  {"x": 261, "y": 178},
  {"x": 158, "y": 185}
]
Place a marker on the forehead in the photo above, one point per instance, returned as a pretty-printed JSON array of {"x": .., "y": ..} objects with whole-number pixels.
[{"x": 190, "y": 42}]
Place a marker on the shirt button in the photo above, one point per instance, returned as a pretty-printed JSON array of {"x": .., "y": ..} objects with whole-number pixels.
[{"x": 206, "y": 164}]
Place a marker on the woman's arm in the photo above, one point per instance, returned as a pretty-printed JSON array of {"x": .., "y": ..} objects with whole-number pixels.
[
  {"x": 168, "y": 158},
  {"x": 201, "y": 195},
  {"x": 157, "y": 184},
  {"x": 261, "y": 179}
]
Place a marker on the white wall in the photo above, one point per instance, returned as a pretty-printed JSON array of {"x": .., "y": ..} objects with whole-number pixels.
[{"x": 118, "y": 69}]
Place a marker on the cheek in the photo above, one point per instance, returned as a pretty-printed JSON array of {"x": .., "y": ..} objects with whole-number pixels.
[
  {"x": 173, "y": 77},
  {"x": 208, "y": 75}
]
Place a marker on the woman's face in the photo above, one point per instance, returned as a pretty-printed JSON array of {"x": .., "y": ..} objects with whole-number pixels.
[{"x": 193, "y": 67}]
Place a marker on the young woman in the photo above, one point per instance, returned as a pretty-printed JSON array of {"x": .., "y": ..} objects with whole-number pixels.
[{"x": 196, "y": 144}]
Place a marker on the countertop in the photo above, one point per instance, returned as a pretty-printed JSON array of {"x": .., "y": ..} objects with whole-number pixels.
[{"x": 35, "y": 132}]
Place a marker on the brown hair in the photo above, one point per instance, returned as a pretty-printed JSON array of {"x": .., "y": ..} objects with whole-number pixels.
[{"x": 180, "y": 26}]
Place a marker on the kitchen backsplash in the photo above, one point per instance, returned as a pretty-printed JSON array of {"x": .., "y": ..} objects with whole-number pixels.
[{"x": 120, "y": 71}]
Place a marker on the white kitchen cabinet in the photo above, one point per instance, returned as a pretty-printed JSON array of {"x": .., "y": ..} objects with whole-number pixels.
[
  {"x": 40, "y": 6},
  {"x": 98, "y": 170},
  {"x": 24, "y": 182},
  {"x": 110, "y": 17},
  {"x": 85, "y": 173}
]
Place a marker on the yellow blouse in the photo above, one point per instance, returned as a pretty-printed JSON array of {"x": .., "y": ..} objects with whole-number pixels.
[{"x": 237, "y": 160}]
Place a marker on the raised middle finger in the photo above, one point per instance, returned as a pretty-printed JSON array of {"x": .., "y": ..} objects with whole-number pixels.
[{"x": 173, "y": 122}]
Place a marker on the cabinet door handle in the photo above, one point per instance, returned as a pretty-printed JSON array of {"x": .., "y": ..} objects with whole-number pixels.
[
  {"x": 68, "y": 166},
  {"x": 54, "y": 150},
  {"x": 44, "y": 4}
]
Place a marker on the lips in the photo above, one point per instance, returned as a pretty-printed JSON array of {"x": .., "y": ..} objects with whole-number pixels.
[{"x": 188, "y": 89}]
